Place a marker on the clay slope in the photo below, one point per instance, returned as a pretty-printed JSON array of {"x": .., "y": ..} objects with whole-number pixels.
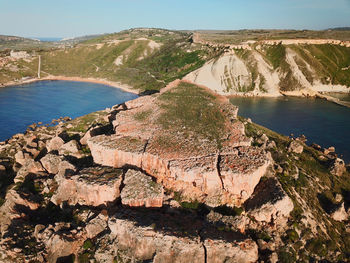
[{"x": 276, "y": 68}]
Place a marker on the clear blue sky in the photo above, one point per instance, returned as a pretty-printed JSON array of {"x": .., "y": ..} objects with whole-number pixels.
[{"x": 66, "y": 18}]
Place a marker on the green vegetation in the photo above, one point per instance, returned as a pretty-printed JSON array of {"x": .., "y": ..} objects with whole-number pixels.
[
  {"x": 190, "y": 109},
  {"x": 314, "y": 172},
  {"x": 83, "y": 123},
  {"x": 276, "y": 55},
  {"x": 87, "y": 244},
  {"x": 18, "y": 70},
  {"x": 329, "y": 61},
  {"x": 142, "y": 116},
  {"x": 128, "y": 58}
]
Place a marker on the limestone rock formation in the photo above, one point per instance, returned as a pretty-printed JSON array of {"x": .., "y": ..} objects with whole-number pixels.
[
  {"x": 91, "y": 186},
  {"x": 140, "y": 190},
  {"x": 269, "y": 203},
  {"x": 340, "y": 214},
  {"x": 295, "y": 147},
  {"x": 338, "y": 167},
  {"x": 145, "y": 241},
  {"x": 178, "y": 181},
  {"x": 193, "y": 165},
  {"x": 54, "y": 144},
  {"x": 51, "y": 163}
]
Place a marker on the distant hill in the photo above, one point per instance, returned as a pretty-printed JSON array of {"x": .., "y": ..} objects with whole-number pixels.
[
  {"x": 80, "y": 39},
  {"x": 340, "y": 29},
  {"x": 14, "y": 39}
]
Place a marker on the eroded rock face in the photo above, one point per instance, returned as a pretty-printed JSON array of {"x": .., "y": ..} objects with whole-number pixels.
[
  {"x": 240, "y": 252},
  {"x": 269, "y": 203},
  {"x": 198, "y": 167},
  {"x": 92, "y": 187},
  {"x": 142, "y": 238},
  {"x": 140, "y": 190}
]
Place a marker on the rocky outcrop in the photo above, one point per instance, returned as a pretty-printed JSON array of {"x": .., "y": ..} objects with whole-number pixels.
[
  {"x": 340, "y": 214},
  {"x": 269, "y": 203},
  {"x": 29, "y": 167},
  {"x": 91, "y": 187},
  {"x": 295, "y": 147},
  {"x": 51, "y": 163},
  {"x": 199, "y": 170},
  {"x": 338, "y": 167},
  {"x": 54, "y": 144},
  {"x": 70, "y": 148},
  {"x": 140, "y": 190},
  {"x": 147, "y": 241},
  {"x": 164, "y": 187}
]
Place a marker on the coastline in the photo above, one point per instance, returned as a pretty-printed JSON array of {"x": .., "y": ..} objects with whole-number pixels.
[
  {"x": 308, "y": 93},
  {"x": 113, "y": 84},
  {"x": 305, "y": 93}
]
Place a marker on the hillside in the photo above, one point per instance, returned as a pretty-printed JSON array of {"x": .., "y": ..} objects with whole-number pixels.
[
  {"x": 246, "y": 62},
  {"x": 175, "y": 176},
  {"x": 272, "y": 67}
]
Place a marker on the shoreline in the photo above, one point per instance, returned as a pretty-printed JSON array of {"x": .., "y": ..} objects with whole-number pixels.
[
  {"x": 127, "y": 88},
  {"x": 113, "y": 84}
]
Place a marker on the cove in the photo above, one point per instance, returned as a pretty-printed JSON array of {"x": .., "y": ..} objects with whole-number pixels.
[
  {"x": 322, "y": 122},
  {"x": 43, "y": 101}
]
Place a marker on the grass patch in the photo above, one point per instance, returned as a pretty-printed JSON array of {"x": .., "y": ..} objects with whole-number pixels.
[
  {"x": 190, "y": 109},
  {"x": 276, "y": 54},
  {"x": 143, "y": 115}
]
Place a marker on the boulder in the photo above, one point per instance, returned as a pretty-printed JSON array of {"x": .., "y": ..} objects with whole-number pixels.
[
  {"x": 21, "y": 157},
  {"x": 241, "y": 171},
  {"x": 269, "y": 203},
  {"x": 51, "y": 163},
  {"x": 70, "y": 148},
  {"x": 94, "y": 131},
  {"x": 91, "y": 187},
  {"x": 60, "y": 242},
  {"x": 96, "y": 226},
  {"x": 140, "y": 190},
  {"x": 29, "y": 167},
  {"x": 329, "y": 150},
  {"x": 339, "y": 214},
  {"x": 338, "y": 167},
  {"x": 54, "y": 144},
  {"x": 295, "y": 147}
]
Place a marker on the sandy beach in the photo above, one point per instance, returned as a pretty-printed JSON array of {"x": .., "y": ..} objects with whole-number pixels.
[{"x": 118, "y": 85}]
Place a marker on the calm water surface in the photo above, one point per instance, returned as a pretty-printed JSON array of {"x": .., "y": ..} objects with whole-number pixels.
[
  {"x": 43, "y": 101},
  {"x": 322, "y": 122}
]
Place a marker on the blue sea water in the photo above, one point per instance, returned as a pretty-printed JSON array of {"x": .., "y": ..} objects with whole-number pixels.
[
  {"x": 43, "y": 101},
  {"x": 48, "y": 39},
  {"x": 322, "y": 122}
]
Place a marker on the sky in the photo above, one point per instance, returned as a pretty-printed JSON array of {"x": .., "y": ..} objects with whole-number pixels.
[{"x": 71, "y": 18}]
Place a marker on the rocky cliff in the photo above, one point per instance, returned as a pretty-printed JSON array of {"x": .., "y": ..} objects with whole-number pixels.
[{"x": 175, "y": 176}]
